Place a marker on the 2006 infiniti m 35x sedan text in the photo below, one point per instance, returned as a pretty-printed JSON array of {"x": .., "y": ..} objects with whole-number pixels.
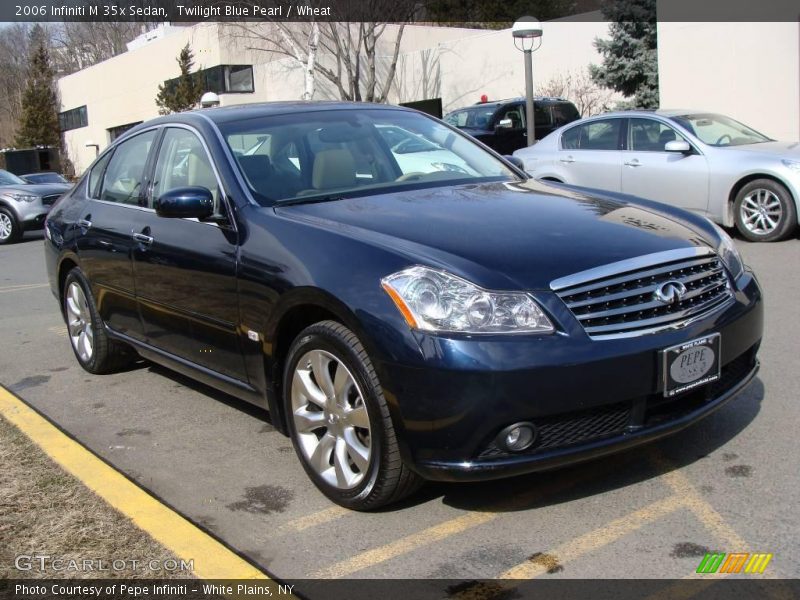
[{"x": 438, "y": 318}]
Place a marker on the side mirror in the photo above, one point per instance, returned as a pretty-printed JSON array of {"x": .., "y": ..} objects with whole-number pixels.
[
  {"x": 681, "y": 146},
  {"x": 516, "y": 161},
  {"x": 185, "y": 203},
  {"x": 504, "y": 124}
]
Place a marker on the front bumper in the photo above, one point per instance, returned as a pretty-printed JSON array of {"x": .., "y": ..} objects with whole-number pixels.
[
  {"x": 30, "y": 215},
  {"x": 587, "y": 397}
]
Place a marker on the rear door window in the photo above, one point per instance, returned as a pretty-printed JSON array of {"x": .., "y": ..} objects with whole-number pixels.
[
  {"x": 595, "y": 135},
  {"x": 124, "y": 175}
]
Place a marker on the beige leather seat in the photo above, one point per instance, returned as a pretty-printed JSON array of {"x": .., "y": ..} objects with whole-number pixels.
[
  {"x": 200, "y": 173},
  {"x": 333, "y": 169}
]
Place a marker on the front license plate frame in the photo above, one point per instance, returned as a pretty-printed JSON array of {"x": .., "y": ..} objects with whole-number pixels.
[{"x": 680, "y": 362}]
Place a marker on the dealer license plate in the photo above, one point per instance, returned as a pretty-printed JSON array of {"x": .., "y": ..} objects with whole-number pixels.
[{"x": 690, "y": 365}]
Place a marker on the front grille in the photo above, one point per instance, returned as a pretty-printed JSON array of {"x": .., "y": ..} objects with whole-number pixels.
[
  {"x": 565, "y": 430},
  {"x": 625, "y": 303},
  {"x": 50, "y": 200}
]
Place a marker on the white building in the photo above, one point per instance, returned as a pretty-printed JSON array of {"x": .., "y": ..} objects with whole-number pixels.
[{"x": 456, "y": 65}]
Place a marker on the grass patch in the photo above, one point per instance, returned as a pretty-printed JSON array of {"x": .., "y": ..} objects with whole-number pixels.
[{"x": 46, "y": 511}]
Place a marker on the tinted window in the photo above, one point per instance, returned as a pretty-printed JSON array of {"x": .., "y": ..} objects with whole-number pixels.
[
  {"x": 478, "y": 117},
  {"x": 596, "y": 135},
  {"x": 353, "y": 153},
  {"x": 123, "y": 177},
  {"x": 95, "y": 174},
  {"x": 516, "y": 114},
  {"x": 565, "y": 113},
  {"x": 650, "y": 135},
  {"x": 183, "y": 162}
]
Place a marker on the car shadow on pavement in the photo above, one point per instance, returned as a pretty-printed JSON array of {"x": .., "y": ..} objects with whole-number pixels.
[
  {"x": 206, "y": 390},
  {"x": 605, "y": 474}
]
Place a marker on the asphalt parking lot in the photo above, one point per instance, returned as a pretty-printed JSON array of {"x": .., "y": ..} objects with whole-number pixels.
[{"x": 729, "y": 484}]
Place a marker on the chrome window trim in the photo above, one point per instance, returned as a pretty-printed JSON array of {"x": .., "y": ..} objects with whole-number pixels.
[
  {"x": 231, "y": 159},
  {"x": 198, "y": 135},
  {"x": 630, "y": 264}
]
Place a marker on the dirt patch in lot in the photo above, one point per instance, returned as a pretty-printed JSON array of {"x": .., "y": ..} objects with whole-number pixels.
[{"x": 44, "y": 511}]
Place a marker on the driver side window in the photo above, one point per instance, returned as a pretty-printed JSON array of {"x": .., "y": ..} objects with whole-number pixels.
[
  {"x": 122, "y": 182},
  {"x": 183, "y": 162}
]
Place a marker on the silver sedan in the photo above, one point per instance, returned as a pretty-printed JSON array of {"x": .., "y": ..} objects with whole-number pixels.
[{"x": 703, "y": 162}]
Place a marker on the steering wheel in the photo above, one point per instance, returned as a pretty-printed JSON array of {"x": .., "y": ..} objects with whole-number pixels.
[
  {"x": 722, "y": 137},
  {"x": 412, "y": 176}
]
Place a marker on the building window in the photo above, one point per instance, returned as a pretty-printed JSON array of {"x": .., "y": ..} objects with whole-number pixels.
[
  {"x": 73, "y": 119},
  {"x": 222, "y": 79},
  {"x": 115, "y": 132}
]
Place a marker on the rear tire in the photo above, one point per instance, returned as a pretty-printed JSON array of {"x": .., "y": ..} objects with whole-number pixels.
[
  {"x": 339, "y": 421},
  {"x": 10, "y": 229},
  {"x": 95, "y": 351},
  {"x": 765, "y": 211}
]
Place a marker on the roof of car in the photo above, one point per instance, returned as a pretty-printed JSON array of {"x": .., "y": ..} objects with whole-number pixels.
[
  {"x": 662, "y": 112},
  {"x": 223, "y": 114}
]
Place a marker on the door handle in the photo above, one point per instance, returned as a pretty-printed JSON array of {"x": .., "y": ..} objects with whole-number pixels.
[
  {"x": 633, "y": 163},
  {"x": 142, "y": 238},
  {"x": 568, "y": 159},
  {"x": 84, "y": 224}
]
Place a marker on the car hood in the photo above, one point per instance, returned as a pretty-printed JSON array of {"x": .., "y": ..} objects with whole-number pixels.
[
  {"x": 780, "y": 149},
  {"x": 506, "y": 235},
  {"x": 38, "y": 189}
]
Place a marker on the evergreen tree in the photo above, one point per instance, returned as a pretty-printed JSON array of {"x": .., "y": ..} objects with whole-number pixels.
[
  {"x": 630, "y": 57},
  {"x": 183, "y": 94},
  {"x": 39, "y": 122}
]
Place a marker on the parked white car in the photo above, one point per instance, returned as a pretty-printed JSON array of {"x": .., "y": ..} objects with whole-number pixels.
[{"x": 707, "y": 163}]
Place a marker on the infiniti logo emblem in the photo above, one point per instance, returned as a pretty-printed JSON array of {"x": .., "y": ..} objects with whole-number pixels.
[{"x": 670, "y": 292}]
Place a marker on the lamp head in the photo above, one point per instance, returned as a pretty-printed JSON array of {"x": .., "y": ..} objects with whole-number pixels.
[{"x": 527, "y": 28}]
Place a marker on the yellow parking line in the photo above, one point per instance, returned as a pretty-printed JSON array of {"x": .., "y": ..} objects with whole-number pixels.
[
  {"x": 212, "y": 560},
  {"x": 314, "y": 519},
  {"x": 22, "y": 287},
  {"x": 598, "y": 538},
  {"x": 709, "y": 517},
  {"x": 404, "y": 545},
  {"x": 454, "y": 526}
]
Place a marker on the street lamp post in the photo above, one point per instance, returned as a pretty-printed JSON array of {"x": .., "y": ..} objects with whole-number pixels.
[{"x": 526, "y": 32}]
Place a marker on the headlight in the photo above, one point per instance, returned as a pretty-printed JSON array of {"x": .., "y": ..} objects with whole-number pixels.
[
  {"x": 728, "y": 252},
  {"x": 20, "y": 197},
  {"x": 434, "y": 300},
  {"x": 792, "y": 164}
]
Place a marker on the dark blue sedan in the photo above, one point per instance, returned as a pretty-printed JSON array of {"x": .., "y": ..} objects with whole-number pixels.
[{"x": 403, "y": 314}]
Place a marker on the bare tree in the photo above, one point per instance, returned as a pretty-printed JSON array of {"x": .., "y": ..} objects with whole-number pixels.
[
  {"x": 358, "y": 59},
  {"x": 578, "y": 87},
  {"x": 14, "y": 53},
  {"x": 77, "y": 45}
]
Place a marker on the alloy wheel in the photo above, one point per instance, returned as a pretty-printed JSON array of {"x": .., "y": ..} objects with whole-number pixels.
[
  {"x": 6, "y": 226},
  {"x": 331, "y": 420},
  {"x": 761, "y": 211},
  {"x": 79, "y": 322}
]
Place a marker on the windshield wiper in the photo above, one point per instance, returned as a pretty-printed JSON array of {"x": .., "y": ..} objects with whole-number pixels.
[{"x": 311, "y": 200}]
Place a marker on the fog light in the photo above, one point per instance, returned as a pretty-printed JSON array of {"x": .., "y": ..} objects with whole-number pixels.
[{"x": 517, "y": 437}]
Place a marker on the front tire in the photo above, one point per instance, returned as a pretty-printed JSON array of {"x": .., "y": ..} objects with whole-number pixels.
[
  {"x": 10, "y": 229},
  {"x": 339, "y": 421},
  {"x": 765, "y": 211},
  {"x": 95, "y": 351}
]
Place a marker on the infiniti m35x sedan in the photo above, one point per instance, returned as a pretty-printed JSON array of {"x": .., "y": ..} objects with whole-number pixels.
[
  {"x": 702, "y": 162},
  {"x": 399, "y": 324}
]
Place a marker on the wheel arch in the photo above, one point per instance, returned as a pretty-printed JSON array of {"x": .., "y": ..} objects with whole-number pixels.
[
  {"x": 301, "y": 309},
  {"x": 743, "y": 181},
  {"x": 66, "y": 264}
]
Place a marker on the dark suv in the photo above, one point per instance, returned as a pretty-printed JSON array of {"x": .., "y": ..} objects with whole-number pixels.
[{"x": 501, "y": 125}]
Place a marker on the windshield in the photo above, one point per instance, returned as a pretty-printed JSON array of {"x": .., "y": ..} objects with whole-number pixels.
[
  {"x": 45, "y": 178},
  {"x": 312, "y": 156},
  {"x": 7, "y": 178},
  {"x": 478, "y": 117},
  {"x": 718, "y": 130}
]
